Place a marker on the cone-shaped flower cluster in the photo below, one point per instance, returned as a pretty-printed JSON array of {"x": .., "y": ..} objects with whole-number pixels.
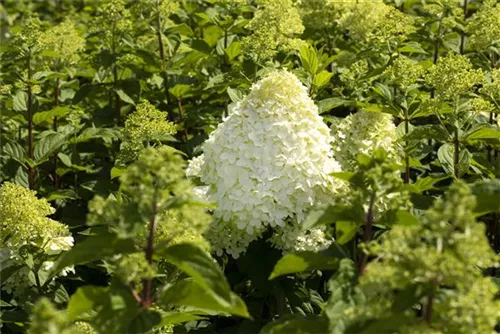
[
  {"x": 267, "y": 164},
  {"x": 364, "y": 132},
  {"x": 274, "y": 27},
  {"x": 25, "y": 222},
  {"x": 25, "y": 230}
]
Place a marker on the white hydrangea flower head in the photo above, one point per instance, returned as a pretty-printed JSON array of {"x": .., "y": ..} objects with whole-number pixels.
[
  {"x": 193, "y": 169},
  {"x": 59, "y": 244},
  {"x": 364, "y": 132},
  {"x": 268, "y": 162},
  {"x": 293, "y": 238}
]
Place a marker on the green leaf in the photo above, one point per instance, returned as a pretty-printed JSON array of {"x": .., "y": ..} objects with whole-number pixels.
[
  {"x": 484, "y": 133},
  {"x": 108, "y": 135},
  {"x": 4, "y": 304},
  {"x": 370, "y": 106},
  {"x": 309, "y": 59},
  {"x": 116, "y": 311},
  {"x": 188, "y": 293},
  {"x": 385, "y": 325},
  {"x": 425, "y": 183},
  {"x": 173, "y": 318},
  {"x": 292, "y": 263},
  {"x": 201, "y": 45},
  {"x": 144, "y": 322},
  {"x": 85, "y": 299},
  {"x": 233, "y": 50},
  {"x": 182, "y": 29},
  {"x": 310, "y": 324},
  {"x": 198, "y": 264},
  {"x": 65, "y": 159},
  {"x": 322, "y": 78},
  {"x": 235, "y": 94},
  {"x": 48, "y": 145},
  {"x": 330, "y": 103},
  {"x": 346, "y": 230},
  {"x": 116, "y": 172},
  {"x": 487, "y": 193},
  {"x": 180, "y": 90},
  {"x": 412, "y": 47},
  {"x": 124, "y": 97},
  {"x": 14, "y": 151},
  {"x": 331, "y": 214},
  {"x": 93, "y": 249},
  {"x": 425, "y": 132},
  {"x": 48, "y": 116},
  {"x": 406, "y": 219},
  {"x": 445, "y": 157},
  {"x": 383, "y": 91},
  {"x": 20, "y": 102},
  {"x": 7, "y": 272}
]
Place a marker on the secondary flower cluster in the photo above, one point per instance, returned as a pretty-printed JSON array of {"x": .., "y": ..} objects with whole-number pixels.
[
  {"x": 446, "y": 251},
  {"x": 26, "y": 229},
  {"x": 484, "y": 27},
  {"x": 145, "y": 126},
  {"x": 375, "y": 22},
  {"x": 363, "y": 133},
  {"x": 453, "y": 76},
  {"x": 274, "y": 27},
  {"x": 266, "y": 165}
]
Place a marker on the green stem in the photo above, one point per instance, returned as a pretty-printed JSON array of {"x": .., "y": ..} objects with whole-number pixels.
[
  {"x": 55, "y": 177},
  {"x": 456, "y": 154},
  {"x": 161, "y": 50},
  {"x": 462, "y": 36},
  {"x": 31, "y": 151},
  {"x": 367, "y": 236},
  {"x": 182, "y": 119},
  {"x": 147, "y": 299},
  {"x": 225, "y": 66},
  {"x": 407, "y": 158}
]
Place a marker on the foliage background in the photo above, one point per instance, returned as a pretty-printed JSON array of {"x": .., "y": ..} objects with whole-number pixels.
[{"x": 86, "y": 84}]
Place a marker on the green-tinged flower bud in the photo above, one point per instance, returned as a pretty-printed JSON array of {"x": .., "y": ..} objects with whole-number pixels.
[
  {"x": 30, "y": 35},
  {"x": 25, "y": 222},
  {"x": 154, "y": 187},
  {"x": 403, "y": 72},
  {"x": 143, "y": 127},
  {"x": 46, "y": 319},
  {"x": 447, "y": 250},
  {"x": 453, "y": 76},
  {"x": 65, "y": 41},
  {"x": 320, "y": 14},
  {"x": 114, "y": 21},
  {"x": 484, "y": 26},
  {"x": 363, "y": 133},
  {"x": 274, "y": 27},
  {"x": 374, "y": 22}
]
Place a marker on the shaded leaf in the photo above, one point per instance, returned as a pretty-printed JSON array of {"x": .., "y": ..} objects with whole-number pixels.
[
  {"x": 303, "y": 261},
  {"x": 189, "y": 293}
]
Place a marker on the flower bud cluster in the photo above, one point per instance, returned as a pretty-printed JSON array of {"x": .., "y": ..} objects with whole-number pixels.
[{"x": 274, "y": 27}]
